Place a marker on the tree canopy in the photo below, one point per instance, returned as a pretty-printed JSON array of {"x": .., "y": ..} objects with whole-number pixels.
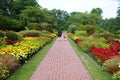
[{"x": 18, "y": 14}]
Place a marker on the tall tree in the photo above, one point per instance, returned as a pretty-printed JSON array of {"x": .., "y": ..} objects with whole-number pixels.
[
  {"x": 4, "y": 6},
  {"x": 97, "y": 11},
  {"x": 118, "y": 12},
  {"x": 61, "y": 16},
  {"x": 16, "y": 6}
]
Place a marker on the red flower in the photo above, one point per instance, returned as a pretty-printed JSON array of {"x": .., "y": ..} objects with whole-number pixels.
[
  {"x": 104, "y": 53},
  {"x": 9, "y": 41}
]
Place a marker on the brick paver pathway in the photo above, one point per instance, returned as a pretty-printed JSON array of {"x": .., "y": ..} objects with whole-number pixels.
[{"x": 61, "y": 63}]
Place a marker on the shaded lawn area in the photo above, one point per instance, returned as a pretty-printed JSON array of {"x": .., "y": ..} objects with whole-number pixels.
[
  {"x": 93, "y": 68},
  {"x": 26, "y": 71}
]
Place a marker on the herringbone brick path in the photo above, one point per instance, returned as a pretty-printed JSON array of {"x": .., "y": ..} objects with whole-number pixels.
[{"x": 61, "y": 63}]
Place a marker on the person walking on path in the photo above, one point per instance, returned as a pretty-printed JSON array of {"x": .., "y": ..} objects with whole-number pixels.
[
  {"x": 61, "y": 63},
  {"x": 65, "y": 35},
  {"x": 59, "y": 34}
]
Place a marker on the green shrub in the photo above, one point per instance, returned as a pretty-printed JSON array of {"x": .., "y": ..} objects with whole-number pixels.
[
  {"x": 4, "y": 72},
  {"x": 7, "y": 23},
  {"x": 30, "y": 33},
  {"x": 81, "y": 27},
  {"x": 38, "y": 26},
  {"x": 10, "y": 62},
  {"x": 112, "y": 65},
  {"x": 81, "y": 37},
  {"x": 102, "y": 39},
  {"x": 80, "y": 33},
  {"x": 30, "y": 26},
  {"x": 99, "y": 43},
  {"x": 2, "y": 41},
  {"x": 4, "y": 22},
  {"x": 2, "y": 33},
  {"x": 44, "y": 25},
  {"x": 84, "y": 49},
  {"x": 72, "y": 28},
  {"x": 14, "y": 25},
  {"x": 90, "y": 41},
  {"x": 108, "y": 36},
  {"x": 2, "y": 38},
  {"x": 117, "y": 37},
  {"x": 44, "y": 33},
  {"x": 13, "y": 35},
  {"x": 116, "y": 76},
  {"x": 85, "y": 44},
  {"x": 90, "y": 29}
]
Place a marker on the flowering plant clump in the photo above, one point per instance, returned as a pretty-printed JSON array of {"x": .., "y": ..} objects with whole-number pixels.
[
  {"x": 31, "y": 38},
  {"x": 78, "y": 40},
  {"x": 13, "y": 36},
  {"x": 74, "y": 37},
  {"x": 21, "y": 50},
  {"x": 31, "y": 34},
  {"x": 116, "y": 76},
  {"x": 106, "y": 53},
  {"x": 112, "y": 65},
  {"x": 103, "y": 53},
  {"x": 9, "y": 41},
  {"x": 86, "y": 42},
  {"x": 24, "y": 49},
  {"x": 4, "y": 72},
  {"x": 2, "y": 41},
  {"x": 115, "y": 46},
  {"x": 52, "y": 35}
]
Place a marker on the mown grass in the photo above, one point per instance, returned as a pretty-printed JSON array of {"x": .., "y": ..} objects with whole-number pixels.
[
  {"x": 25, "y": 72},
  {"x": 93, "y": 68}
]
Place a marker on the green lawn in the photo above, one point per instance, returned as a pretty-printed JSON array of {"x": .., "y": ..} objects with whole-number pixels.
[
  {"x": 95, "y": 70},
  {"x": 25, "y": 72}
]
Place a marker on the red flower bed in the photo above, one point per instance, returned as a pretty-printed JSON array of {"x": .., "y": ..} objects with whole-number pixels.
[
  {"x": 9, "y": 41},
  {"x": 115, "y": 46},
  {"x": 106, "y": 53}
]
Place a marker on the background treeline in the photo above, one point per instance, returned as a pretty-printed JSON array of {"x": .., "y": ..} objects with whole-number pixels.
[{"x": 18, "y": 15}]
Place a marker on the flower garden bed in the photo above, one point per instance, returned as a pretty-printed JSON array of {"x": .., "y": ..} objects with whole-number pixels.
[
  {"x": 105, "y": 53},
  {"x": 18, "y": 50}
]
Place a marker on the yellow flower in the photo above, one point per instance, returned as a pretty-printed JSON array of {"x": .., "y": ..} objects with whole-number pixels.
[{"x": 31, "y": 38}]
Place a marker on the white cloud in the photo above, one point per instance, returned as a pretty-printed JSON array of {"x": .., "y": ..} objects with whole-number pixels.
[{"x": 109, "y": 7}]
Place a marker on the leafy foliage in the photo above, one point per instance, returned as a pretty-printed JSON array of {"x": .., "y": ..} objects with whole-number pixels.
[
  {"x": 12, "y": 35},
  {"x": 80, "y": 33},
  {"x": 72, "y": 28},
  {"x": 30, "y": 33},
  {"x": 90, "y": 29},
  {"x": 97, "y": 11},
  {"x": 4, "y": 72},
  {"x": 2, "y": 33},
  {"x": 116, "y": 76}
]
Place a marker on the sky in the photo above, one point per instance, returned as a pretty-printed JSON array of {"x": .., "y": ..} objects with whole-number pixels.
[{"x": 109, "y": 7}]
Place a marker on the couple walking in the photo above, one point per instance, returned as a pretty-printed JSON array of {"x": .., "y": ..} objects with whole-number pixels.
[{"x": 62, "y": 34}]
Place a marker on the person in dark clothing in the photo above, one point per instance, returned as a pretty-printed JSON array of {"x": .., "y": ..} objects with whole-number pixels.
[{"x": 59, "y": 34}]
